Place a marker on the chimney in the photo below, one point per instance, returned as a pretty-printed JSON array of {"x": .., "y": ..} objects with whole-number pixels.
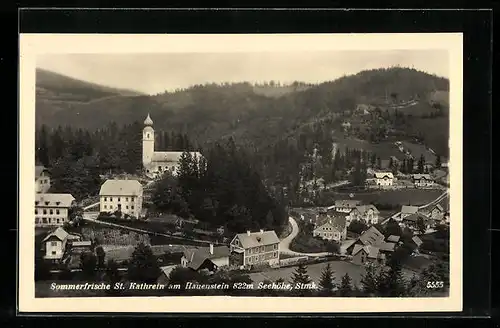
[
  {"x": 212, "y": 249},
  {"x": 248, "y": 232},
  {"x": 261, "y": 231}
]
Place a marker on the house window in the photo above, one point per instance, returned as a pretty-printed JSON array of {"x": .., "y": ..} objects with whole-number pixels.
[
  {"x": 37, "y": 220},
  {"x": 105, "y": 206},
  {"x": 57, "y": 211},
  {"x": 44, "y": 211},
  {"x": 57, "y": 220},
  {"x": 110, "y": 199},
  {"x": 53, "y": 252},
  {"x": 118, "y": 198},
  {"x": 44, "y": 220},
  {"x": 126, "y": 207},
  {"x": 362, "y": 259},
  {"x": 105, "y": 199},
  {"x": 132, "y": 206},
  {"x": 36, "y": 211},
  {"x": 53, "y": 243},
  {"x": 51, "y": 212},
  {"x": 236, "y": 242},
  {"x": 47, "y": 203},
  {"x": 126, "y": 199},
  {"x": 148, "y": 135},
  {"x": 250, "y": 260},
  {"x": 262, "y": 248},
  {"x": 131, "y": 199},
  {"x": 275, "y": 254},
  {"x": 275, "y": 246}
]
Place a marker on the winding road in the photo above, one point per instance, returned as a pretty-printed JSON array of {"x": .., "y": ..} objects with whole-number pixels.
[{"x": 285, "y": 243}]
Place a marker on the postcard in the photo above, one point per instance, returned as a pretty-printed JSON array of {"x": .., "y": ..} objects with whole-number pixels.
[{"x": 281, "y": 173}]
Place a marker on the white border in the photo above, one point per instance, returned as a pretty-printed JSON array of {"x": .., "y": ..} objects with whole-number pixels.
[{"x": 32, "y": 45}]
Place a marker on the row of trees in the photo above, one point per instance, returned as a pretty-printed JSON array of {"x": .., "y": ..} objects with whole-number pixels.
[
  {"x": 77, "y": 157},
  {"x": 375, "y": 282},
  {"x": 221, "y": 189}
]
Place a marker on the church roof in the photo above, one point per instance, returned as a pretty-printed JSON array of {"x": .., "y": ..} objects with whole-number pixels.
[
  {"x": 148, "y": 120},
  {"x": 121, "y": 188},
  {"x": 170, "y": 156}
]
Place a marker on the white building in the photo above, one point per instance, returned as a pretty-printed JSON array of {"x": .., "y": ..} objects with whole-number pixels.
[
  {"x": 366, "y": 213},
  {"x": 52, "y": 209},
  {"x": 331, "y": 227},
  {"x": 124, "y": 196},
  {"x": 56, "y": 243},
  {"x": 42, "y": 179},
  {"x": 255, "y": 248},
  {"x": 157, "y": 162},
  {"x": 422, "y": 180},
  {"x": 384, "y": 179}
]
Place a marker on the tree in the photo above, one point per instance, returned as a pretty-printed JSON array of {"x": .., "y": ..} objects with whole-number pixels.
[
  {"x": 357, "y": 226},
  {"x": 345, "y": 289},
  {"x": 391, "y": 282},
  {"x": 143, "y": 266},
  {"x": 438, "y": 162},
  {"x": 327, "y": 280},
  {"x": 421, "y": 226},
  {"x": 392, "y": 228},
  {"x": 100, "y": 254},
  {"x": 370, "y": 280},
  {"x": 88, "y": 263},
  {"x": 421, "y": 164},
  {"x": 300, "y": 275},
  {"x": 42, "y": 152},
  {"x": 332, "y": 247}
]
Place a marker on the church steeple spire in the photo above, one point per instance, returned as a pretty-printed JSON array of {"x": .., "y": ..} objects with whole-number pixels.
[{"x": 148, "y": 121}]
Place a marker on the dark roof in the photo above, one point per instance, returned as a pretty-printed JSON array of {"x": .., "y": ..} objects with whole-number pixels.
[
  {"x": 255, "y": 239},
  {"x": 196, "y": 257},
  {"x": 337, "y": 221},
  {"x": 371, "y": 237},
  {"x": 393, "y": 238}
]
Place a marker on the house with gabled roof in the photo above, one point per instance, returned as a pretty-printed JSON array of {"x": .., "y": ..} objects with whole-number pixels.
[
  {"x": 411, "y": 221},
  {"x": 123, "y": 196},
  {"x": 254, "y": 249},
  {"x": 406, "y": 210},
  {"x": 372, "y": 245},
  {"x": 42, "y": 179},
  {"x": 52, "y": 209},
  {"x": 55, "y": 243},
  {"x": 384, "y": 179},
  {"x": 422, "y": 180},
  {"x": 344, "y": 205},
  {"x": 366, "y": 213},
  {"x": 331, "y": 227},
  {"x": 207, "y": 258}
]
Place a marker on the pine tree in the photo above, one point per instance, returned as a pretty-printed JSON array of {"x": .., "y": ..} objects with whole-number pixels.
[
  {"x": 327, "y": 280},
  {"x": 438, "y": 162},
  {"x": 421, "y": 164},
  {"x": 345, "y": 286},
  {"x": 143, "y": 266},
  {"x": 43, "y": 147},
  {"x": 300, "y": 275},
  {"x": 391, "y": 282},
  {"x": 370, "y": 280}
]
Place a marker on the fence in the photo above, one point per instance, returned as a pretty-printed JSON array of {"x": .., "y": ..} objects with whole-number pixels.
[{"x": 293, "y": 261}]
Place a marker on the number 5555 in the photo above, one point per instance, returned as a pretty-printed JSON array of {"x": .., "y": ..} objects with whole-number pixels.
[{"x": 435, "y": 284}]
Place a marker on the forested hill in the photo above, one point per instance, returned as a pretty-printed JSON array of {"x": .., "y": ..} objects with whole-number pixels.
[{"x": 257, "y": 117}]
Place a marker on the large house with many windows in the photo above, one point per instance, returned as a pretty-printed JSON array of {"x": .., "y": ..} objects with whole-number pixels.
[
  {"x": 123, "y": 196},
  {"x": 52, "y": 209},
  {"x": 42, "y": 179},
  {"x": 255, "y": 248},
  {"x": 331, "y": 226}
]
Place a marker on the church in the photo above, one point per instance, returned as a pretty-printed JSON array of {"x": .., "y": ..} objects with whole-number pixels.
[{"x": 154, "y": 162}]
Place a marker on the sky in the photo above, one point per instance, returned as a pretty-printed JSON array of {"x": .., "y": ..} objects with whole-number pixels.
[{"x": 156, "y": 73}]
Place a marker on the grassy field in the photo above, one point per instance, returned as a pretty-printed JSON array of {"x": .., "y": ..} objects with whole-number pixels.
[{"x": 415, "y": 197}]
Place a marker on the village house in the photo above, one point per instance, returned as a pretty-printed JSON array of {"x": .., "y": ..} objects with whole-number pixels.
[
  {"x": 156, "y": 163},
  {"x": 436, "y": 212},
  {"x": 255, "y": 248},
  {"x": 384, "y": 179},
  {"x": 415, "y": 244},
  {"x": 344, "y": 206},
  {"x": 123, "y": 196},
  {"x": 165, "y": 273},
  {"x": 206, "y": 258},
  {"x": 393, "y": 239},
  {"x": 422, "y": 180},
  {"x": 52, "y": 209},
  {"x": 55, "y": 244},
  {"x": 81, "y": 246},
  {"x": 42, "y": 179},
  {"x": 370, "y": 246},
  {"x": 412, "y": 222},
  {"x": 331, "y": 226},
  {"x": 406, "y": 210},
  {"x": 367, "y": 213}
]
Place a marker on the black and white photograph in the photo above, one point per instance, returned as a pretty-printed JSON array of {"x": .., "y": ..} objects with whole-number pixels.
[{"x": 302, "y": 172}]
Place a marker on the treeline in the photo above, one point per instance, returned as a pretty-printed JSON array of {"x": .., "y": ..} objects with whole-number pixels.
[
  {"x": 76, "y": 157},
  {"x": 221, "y": 189}
]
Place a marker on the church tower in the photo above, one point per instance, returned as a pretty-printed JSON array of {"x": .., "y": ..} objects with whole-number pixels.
[{"x": 148, "y": 141}]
